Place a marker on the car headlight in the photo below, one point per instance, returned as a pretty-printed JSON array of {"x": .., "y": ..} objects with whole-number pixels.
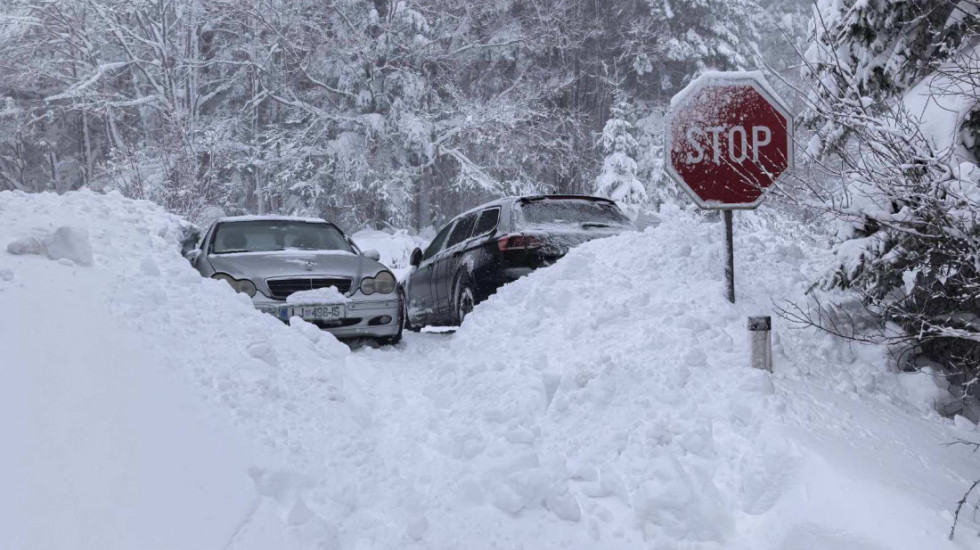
[
  {"x": 246, "y": 287},
  {"x": 367, "y": 285},
  {"x": 243, "y": 286},
  {"x": 382, "y": 283}
]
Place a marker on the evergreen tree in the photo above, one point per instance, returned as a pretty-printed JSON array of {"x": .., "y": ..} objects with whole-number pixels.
[
  {"x": 695, "y": 35},
  {"x": 660, "y": 187},
  {"x": 618, "y": 179},
  {"x": 893, "y": 84},
  {"x": 870, "y": 52}
]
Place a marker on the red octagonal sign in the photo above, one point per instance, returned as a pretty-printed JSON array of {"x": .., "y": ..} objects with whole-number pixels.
[{"x": 729, "y": 138}]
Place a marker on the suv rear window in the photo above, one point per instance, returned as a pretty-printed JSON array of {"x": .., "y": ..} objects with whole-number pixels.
[
  {"x": 487, "y": 222},
  {"x": 462, "y": 230},
  {"x": 572, "y": 211}
]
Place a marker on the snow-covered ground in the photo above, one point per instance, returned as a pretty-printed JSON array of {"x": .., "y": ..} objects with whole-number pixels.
[{"x": 604, "y": 402}]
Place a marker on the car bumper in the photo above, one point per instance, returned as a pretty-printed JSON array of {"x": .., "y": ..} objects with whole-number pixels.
[
  {"x": 511, "y": 274},
  {"x": 364, "y": 318}
]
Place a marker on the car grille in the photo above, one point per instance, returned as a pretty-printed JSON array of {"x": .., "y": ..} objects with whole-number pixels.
[{"x": 281, "y": 288}]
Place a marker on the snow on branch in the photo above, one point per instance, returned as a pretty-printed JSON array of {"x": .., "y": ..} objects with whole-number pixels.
[{"x": 77, "y": 89}]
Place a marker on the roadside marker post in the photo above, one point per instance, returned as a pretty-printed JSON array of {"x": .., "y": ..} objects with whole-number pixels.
[{"x": 760, "y": 342}]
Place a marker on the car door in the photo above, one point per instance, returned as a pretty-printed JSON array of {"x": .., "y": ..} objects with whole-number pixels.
[
  {"x": 445, "y": 266},
  {"x": 202, "y": 264},
  {"x": 420, "y": 308},
  {"x": 481, "y": 251}
]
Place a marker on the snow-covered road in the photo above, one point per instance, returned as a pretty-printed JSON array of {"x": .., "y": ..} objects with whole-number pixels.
[{"x": 604, "y": 402}]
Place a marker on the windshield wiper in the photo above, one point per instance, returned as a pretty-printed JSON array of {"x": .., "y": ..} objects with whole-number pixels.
[{"x": 595, "y": 224}]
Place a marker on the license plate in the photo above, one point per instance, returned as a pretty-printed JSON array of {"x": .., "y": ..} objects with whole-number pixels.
[{"x": 318, "y": 312}]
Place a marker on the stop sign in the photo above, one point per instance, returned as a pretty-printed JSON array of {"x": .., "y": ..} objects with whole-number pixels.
[{"x": 729, "y": 138}]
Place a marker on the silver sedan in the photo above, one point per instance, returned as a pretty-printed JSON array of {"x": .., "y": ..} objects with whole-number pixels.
[{"x": 307, "y": 268}]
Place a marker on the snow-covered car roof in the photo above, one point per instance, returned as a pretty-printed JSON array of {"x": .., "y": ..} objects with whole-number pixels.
[
  {"x": 516, "y": 198},
  {"x": 269, "y": 217}
]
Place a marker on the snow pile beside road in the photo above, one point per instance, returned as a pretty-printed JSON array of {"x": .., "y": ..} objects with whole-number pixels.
[
  {"x": 602, "y": 403},
  {"x": 66, "y": 243},
  {"x": 606, "y": 402},
  {"x": 106, "y": 444}
]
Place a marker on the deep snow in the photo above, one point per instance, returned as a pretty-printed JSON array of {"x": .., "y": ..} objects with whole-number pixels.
[{"x": 604, "y": 402}]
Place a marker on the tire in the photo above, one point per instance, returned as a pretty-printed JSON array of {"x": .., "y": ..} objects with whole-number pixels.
[{"x": 463, "y": 299}]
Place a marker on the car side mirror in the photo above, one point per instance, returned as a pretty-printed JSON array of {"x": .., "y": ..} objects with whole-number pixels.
[
  {"x": 372, "y": 254},
  {"x": 193, "y": 255},
  {"x": 416, "y": 258}
]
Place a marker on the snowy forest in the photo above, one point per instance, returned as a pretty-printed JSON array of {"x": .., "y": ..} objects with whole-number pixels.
[
  {"x": 368, "y": 112},
  {"x": 401, "y": 113},
  {"x": 552, "y": 373}
]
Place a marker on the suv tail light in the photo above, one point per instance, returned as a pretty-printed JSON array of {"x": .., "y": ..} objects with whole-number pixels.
[{"x": 517, "y": 242}]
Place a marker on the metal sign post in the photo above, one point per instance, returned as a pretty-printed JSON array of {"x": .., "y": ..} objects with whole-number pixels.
[{"x": 729, "y": 258}]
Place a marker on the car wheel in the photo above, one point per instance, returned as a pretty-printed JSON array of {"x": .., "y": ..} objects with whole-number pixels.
[{"x": 464, "y": 301}]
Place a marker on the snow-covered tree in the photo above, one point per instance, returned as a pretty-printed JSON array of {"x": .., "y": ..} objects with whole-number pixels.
[
  {"x": 695, "y": 35},
  {"x": 660, "y": 187},
  {"x": 871, "y": 52},
  {"x": 402, "y": 111},
  {"x": 618, "y": 180},
  {"x": 894, "y": 87}
]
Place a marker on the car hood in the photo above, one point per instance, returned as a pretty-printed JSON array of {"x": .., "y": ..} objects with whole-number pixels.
[{"x": 259, "y": 266}]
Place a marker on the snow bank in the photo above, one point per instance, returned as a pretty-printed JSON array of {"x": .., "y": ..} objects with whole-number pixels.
[
  {"x": 607, "y": 402},
  {"x": 108, "y": 442},
  {"x": 103, "y": 446},
  {"x": 66, "y": 243},
  {"x": 603, "y": 402}
]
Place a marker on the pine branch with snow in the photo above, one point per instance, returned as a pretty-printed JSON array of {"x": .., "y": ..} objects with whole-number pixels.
[{"x": 890, "y": 104}]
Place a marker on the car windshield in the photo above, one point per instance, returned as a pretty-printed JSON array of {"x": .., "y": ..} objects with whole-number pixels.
[
  {"x": 573, "y": 211},
  {"x": 276, "y": 235}
]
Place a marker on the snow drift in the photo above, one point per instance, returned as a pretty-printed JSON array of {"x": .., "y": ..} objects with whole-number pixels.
[
  {"x": 106, "y": 444},
  {"x": 604, "y": 402}
]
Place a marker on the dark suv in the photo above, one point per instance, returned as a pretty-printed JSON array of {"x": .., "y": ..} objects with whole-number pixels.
[{"x": 479, "y": 251}]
